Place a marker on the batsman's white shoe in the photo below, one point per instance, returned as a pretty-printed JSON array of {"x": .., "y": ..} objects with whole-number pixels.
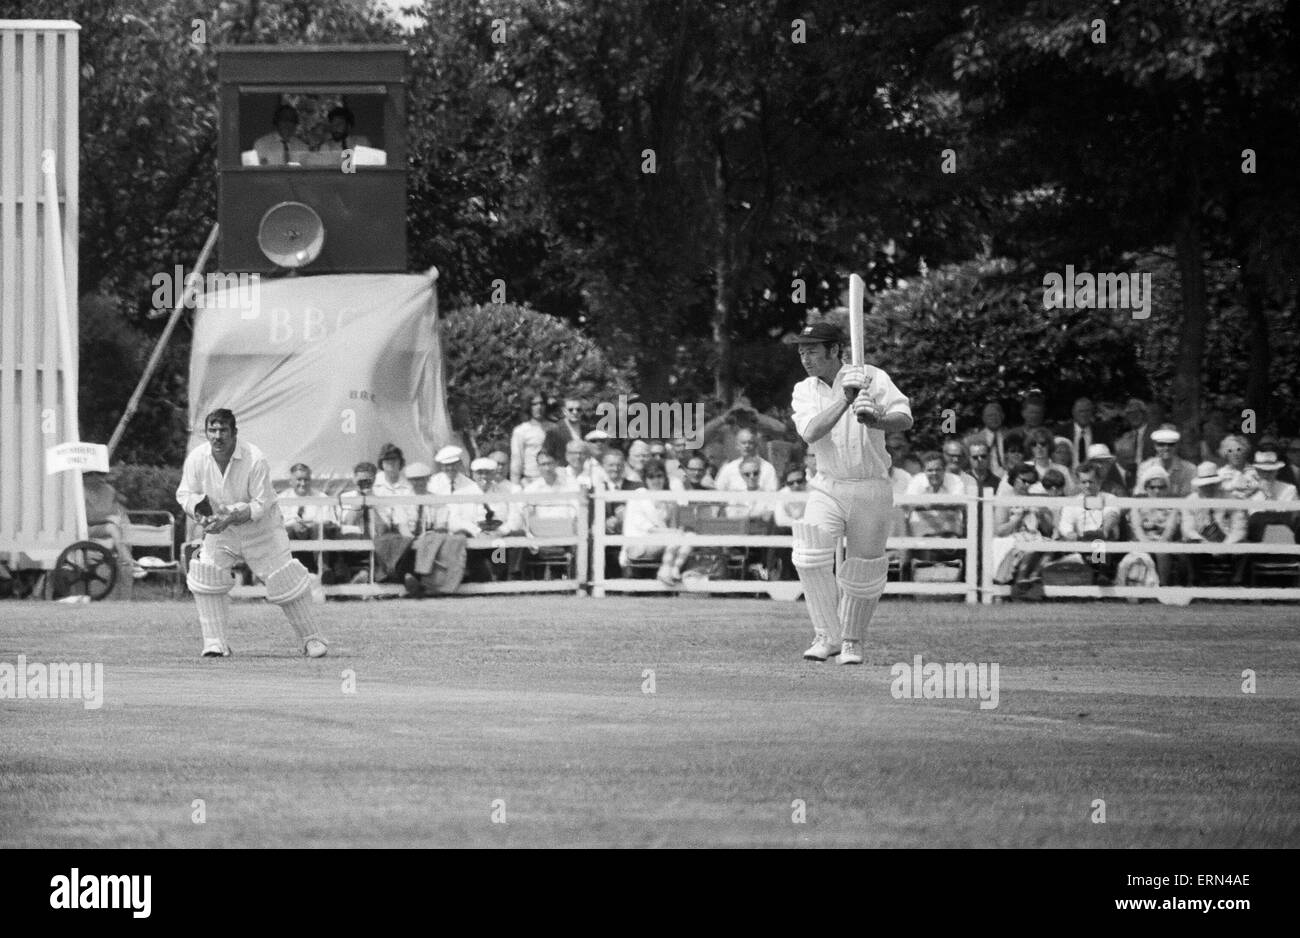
[
  {"x": 216, "y": 649},
  {"x": 821, "y": 649},
  {"x": 315, "y": 648},
  {"x": 851, "y": 652}
]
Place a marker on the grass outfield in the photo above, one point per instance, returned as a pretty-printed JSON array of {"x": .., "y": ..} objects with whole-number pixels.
[{"x": 538, "y": 701}]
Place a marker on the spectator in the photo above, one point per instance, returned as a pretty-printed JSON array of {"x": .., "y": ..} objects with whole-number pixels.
[
  {"x": 1239, "y": 478},
  {"x": 696, "y": 474},
  {"x": 578, "y": 463},
  {"x": 986, "y": 480},
  {"x": 993, "y": 434},
  {"x": 1033, "y": 412},
  {"x": 1063, "y": 453},
  {"x": 281, "y": 146},
  {"x": 355, "y": 522},
  {"x": 1009, "y": 522},
  {"x": 391, "y": 482},
  {"x": 637, "y": 454},
  {"x": 527, "y": 441},
  {"x": 1290, "y": 473},
  {"x": 454, "y": 518},
  {"x": 784, "y": 515},
  {"x": 551, "y": 481},
  {"x": 760, "y": 515},
  {"x": 1082, "y": 431},
  {"x": 1040, "y": 449},
  {"x": 1112, "y": 477},
  {"x": 1092, "y": 516},
  {"x": 729, "y": 476},
  {"x": 897, "y": 445},
  {"x": 1180, "y": 472},
  {"x": 957, "y": 463},
  {"x": 1014, "y": 449},
  {"x": 570, "y": 429},
  {"x": 1153, "y": 525},
  {"x": 720, "y": 434},
  {"x": 1212, "y": 525},
  {"x": 308, "y": 522},
  {"x": 938, "y": 521},
  {"x": 598, "y": 443},
  {"x": 1011, "y": 559},
  {"x": 1050, "y": 483},
  {"x": 106, "y": 514},
  {"x": 501, "y": 518},
  {"x": 414, "y": 520},
  {"x": 1134, "y": 445},
  {"x": 1267, "y": 466},
  {"x": 614, "y": 480},
  {"x": 1213, "y": 429},
  {"x": 645, "y": 518}
]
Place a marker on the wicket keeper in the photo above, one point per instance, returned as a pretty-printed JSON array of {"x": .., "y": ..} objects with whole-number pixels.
[
  {"x": 843, "y": 414},
  {"x": 226, "y": 488}
]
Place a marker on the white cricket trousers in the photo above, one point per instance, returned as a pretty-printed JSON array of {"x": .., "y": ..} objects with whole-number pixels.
[{"x": 859, "y": 509}]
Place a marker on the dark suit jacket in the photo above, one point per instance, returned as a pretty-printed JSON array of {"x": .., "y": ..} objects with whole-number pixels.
[{"x": 1100, "y": 434}]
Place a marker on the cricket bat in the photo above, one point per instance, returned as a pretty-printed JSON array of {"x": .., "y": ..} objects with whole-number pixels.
[{"x": 856, "y": 290}]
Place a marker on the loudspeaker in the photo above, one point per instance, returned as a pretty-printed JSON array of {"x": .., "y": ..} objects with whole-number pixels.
[{"x": 291, "y": 235}]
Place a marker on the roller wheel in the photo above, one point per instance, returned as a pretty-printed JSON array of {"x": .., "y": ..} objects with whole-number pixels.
[{"x": 85, "y": 568}]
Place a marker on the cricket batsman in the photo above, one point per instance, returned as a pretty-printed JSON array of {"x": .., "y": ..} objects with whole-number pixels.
[
  {"x": 843, "y": 414},
  {"x": 226, "y": 488}
]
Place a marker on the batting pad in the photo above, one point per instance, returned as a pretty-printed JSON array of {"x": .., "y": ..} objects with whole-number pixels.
[
  {"x": 814, "y": 560},
  {"x": 288, "y": 583},
  {"x": 861, "y": 583},
  {"x": 290, "y": 588},
  {"x": 210, "y": 584}
]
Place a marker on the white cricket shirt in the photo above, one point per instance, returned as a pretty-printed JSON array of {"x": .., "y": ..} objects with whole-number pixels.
[{"x": 850, "y": 450}]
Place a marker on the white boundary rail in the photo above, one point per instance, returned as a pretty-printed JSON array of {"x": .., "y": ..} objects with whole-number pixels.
[
  {"x": 590, "y": 541},
  {"x": 1114, "y": 548}
]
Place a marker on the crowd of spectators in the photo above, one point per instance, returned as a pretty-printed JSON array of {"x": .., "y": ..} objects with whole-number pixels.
[{"x": 1085, "y": 461}]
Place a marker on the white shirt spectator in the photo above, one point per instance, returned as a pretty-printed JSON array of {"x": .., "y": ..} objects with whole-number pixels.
[
  {"x": 730, "y": 480},
  {"x": 526, "y": 442},
  {"x": 455, "y": 518},
  {"x": 1086, "y": 514},
  {"x": 924, "y": 521},
  {"x": 394, "y": 516},
  {"x": 562, "y": 484}
]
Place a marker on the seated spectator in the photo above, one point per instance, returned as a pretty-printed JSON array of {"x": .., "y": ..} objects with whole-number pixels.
[
  {"x": 341, "y": 121},
  {"x": 695, "y": 475},
  {"x": 1032, "y": 522},
  {"x": 644, "y": 518},
  {"x": 1212, "y": 525},
  {"x": 358, "y": 521},
  {"x": 598, "y": 444},
  {"x": 1033, "y": 413},
  {"x": 578, "y": 463},
  {"x": 1267, "y": 465},
  {"x": 1112, "y": 477},
  {"x": 1155, "y": 525},
  {"x": 1239, "y": 477},
  {"x": 106, "y": 515},
  {"x": 957, "y": 463},
  {"x": 503, "y": 519},
  {"x": 1012, "y": 560},
  {"x": 454, "y": 518},
  {"x": 392, "y": 482},
  {"x": 786, "y": 513},
  {"x": 612, "y": 479},
  {"x": 1213, "y": 429},
  {"x": 414, "y": 520},
  {"x": 1133, "y": 442},
  {"x": 551, "y": 480},
  {"x": 1290, "y": 473},
  {"x": 1013, "y": 449},
  {"x": 308, "y": 522},
  {"x": 1180, "y": 472},
  {"x": 1081, "y": 431},
  {"x": 1040, "y": 444},
  {"x": 986, "y": 479},
  {"x": 637, "y": 453},
  {"x": 1063, "y": 453},
  {"x": 760, "y": 515},
  {"x": 1050, "y": 483},
  {"x": 282, "y": 146},
  {"x": 729, "y": 476},
  {"x": 1092, "y": 516},
  {"x": 937, "y": 521}
]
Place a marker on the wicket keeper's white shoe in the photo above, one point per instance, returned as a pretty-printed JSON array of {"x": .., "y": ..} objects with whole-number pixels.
[
  {"x": 315, "y": 648},
  {"x": 215, "y": 649},
  {"x": 851, "y": 652},
  {"x": 821, "y": 649}
]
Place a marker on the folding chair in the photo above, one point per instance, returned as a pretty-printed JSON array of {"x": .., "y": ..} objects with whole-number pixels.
[
  {"x": 1282, "y": 566},
  {"x": 549, "y": 560},
  {"x": 154, "y": 533}
]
